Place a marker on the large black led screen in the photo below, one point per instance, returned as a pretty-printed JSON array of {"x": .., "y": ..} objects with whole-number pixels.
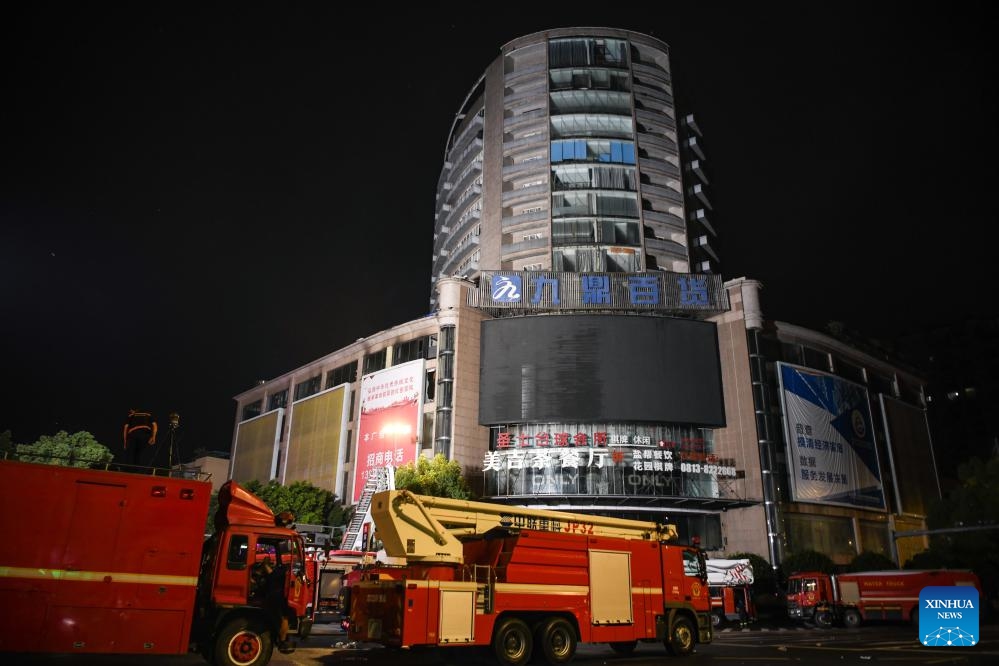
[{"x": 600, "y": 368}]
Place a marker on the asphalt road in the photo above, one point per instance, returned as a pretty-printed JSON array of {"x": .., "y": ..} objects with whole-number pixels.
[{"x": 757, "y": 645}]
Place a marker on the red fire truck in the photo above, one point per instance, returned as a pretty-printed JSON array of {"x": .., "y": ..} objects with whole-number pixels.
[
  {"x": 873, "y": 595},
  {"x": 525, "y": 581},
  {"x": 330, "y": 569},
  {"x": 122, "y": 566},
  {"x": 729, "y": 584}
]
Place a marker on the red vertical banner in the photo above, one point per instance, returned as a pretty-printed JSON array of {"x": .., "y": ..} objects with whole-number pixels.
[{"x": 388, "y": 431}]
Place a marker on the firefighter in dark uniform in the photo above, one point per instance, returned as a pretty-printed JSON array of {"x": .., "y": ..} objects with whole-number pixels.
[{"x": 139, "y": 432}]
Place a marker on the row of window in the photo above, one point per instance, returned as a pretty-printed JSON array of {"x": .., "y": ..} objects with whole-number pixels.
[
  {"x": 591, "y": 78},
  {"x": 585, "y": 177},
  {"x": 586, "y": 51},
  {"x": 586, "y": 203},
  {"x": 595, "y": 260},
  {"x": 593, "y": 150}
]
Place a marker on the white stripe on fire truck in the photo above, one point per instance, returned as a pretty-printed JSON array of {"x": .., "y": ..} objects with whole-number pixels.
[
  {"x": 526, "y": 588},
  {"x": 96, "y": 576}
]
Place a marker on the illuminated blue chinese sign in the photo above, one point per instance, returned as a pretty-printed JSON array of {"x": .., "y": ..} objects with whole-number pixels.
[{"x": 657, "y": 291}]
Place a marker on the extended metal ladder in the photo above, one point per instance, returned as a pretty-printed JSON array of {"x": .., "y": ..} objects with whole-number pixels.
[{"x": 378, "y": 480}]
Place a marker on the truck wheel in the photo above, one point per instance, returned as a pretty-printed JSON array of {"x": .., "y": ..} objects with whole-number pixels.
[
  {"x": 304, "y": 628},
  {"x": 680, "y": 642},
  {"x": 851, "y": 619},
  {"x": 623, "y": 647},
  {"x": 512, "y": 642},
  {"x": 823, "y": 619},
  {"x": 557, "y": 639},
  {"x": 717, "y": 619},
  {"x": 243, "y": 642}
]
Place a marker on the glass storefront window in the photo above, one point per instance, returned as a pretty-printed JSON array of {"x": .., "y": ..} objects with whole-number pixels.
[{"x": 832, "y": 535}]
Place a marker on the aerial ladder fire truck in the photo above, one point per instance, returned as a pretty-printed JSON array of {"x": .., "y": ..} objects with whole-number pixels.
[{"x": 525, "y": 582}]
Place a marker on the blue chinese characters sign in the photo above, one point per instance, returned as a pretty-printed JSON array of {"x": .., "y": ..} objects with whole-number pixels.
[
  {"x": 658, "y": 291},
  {"x": 832, "y": 457}
]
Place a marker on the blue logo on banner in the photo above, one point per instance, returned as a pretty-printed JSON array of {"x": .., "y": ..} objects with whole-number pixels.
[
  {"x": 507, "y": 289},
  {"x": 948, "y": 616}
]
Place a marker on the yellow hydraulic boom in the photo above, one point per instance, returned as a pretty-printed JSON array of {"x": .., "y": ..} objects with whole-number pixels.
[{"x": 430, "y": 529}]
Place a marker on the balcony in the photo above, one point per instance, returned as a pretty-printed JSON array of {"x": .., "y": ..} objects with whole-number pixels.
[
  {"x": 516, "y": 75},
  {"x": 674, "y": 222},
  {"x": 525, "y": 246},
  {"x": 653, "y": 96},
  {"x": 514, "y": 221},
  {"x": 661, "y": 245},
  {"x": 656, "y": 123},
  {"x": 522, "y": 194},
  {"x": 540, "y": 166},
  {"x": 663, "y": 167},
  {"x": 657, "y": 191},
  {"x": 652, "y": 71}
]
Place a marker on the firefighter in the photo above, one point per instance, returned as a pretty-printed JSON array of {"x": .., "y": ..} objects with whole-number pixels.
[
  {"x": 276, "y": 601},
  {"x": 138, "y": 432}
]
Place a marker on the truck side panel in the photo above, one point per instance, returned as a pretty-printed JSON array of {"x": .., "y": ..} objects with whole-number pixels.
[{"x": 114, "y": 568}]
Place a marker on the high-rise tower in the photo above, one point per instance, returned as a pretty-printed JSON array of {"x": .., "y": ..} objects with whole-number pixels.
[{"x": 568, "y": 154}]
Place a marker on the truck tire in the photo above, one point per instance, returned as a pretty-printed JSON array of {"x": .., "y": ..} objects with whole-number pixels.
[
  {"x": 244, "y": 641},
  {"x": 623, "y": 647},
  {"x": 852, "y": 618},
  {"x": 557, "y": 640},
  {"x": 512, "y": 643},
  {"x": 304, "y": 628},
  {"x": 823, "y": 619},
  {"x": 681, "y": 639},
  {"x": 717, "y": 619}
]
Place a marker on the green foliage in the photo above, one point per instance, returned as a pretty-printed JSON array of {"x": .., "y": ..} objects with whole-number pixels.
[
  {"x": 439, "y": 477},
  {"x": 868, "y": 561},
  {"x": 213, "y": 506},
  {"x": 311, "y": 505},
  {"x": 77, "y": 450},
  {"x": 973, "y": 504},
  {"x": 7, "y": 445},
  {"x": 808, "y": 560}
]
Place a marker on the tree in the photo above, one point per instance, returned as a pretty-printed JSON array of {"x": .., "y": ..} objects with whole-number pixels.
[
  {"x": 439, "y": 477},
  {"x": 764, "y": 578},
  {"x": 870, "y": 561},
  {"x": 808, "y": 560},
  {"x": 7, "y": 445},
  {"x": 311, "y": 505},
  {"x": 77, "y": 450},
  {"x": 213, "y": 506},
  {"x": 972, "y": 504}
]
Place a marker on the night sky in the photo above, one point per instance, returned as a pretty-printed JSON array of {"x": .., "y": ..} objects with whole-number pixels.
[{"x": 195, "y": 199}]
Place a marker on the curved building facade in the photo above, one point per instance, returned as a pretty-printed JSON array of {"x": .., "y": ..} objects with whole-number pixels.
[{"x": 568, "y": 154}]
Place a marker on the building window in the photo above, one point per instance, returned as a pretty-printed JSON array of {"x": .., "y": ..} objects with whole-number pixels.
[
  {"x": 429, "y": 385},
  {"x": 345, "y": 374},
  {"x": 239, "y": 550},
  {"x": 279, "y": 399},
  {"x": 252, "y": 409},
  {"x": 309, "y": 387},
  {"x": 425, "y": 347},
  {"x": 374, "y": 362}
]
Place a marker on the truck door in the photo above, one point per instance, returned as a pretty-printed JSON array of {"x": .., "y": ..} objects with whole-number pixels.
[{"x": 695, "y": 575}]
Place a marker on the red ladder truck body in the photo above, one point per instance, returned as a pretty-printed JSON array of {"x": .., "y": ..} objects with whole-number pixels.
[{"x": 526, "y": 581}]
